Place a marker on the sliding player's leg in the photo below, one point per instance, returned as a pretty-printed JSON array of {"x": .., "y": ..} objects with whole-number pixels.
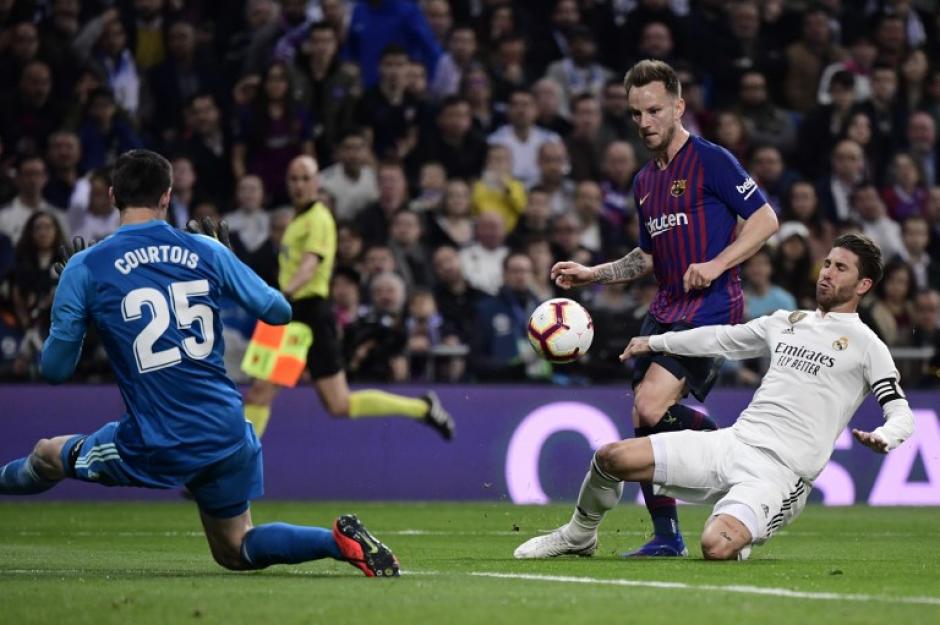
[
  {"x": 223, "y": 491},
  {"x": 339, "y": 401},
  {"x": 630, "y": 460},
  {"x": 40, "y": 470}
]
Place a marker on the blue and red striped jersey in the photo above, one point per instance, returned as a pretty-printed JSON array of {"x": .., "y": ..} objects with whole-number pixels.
[{"x": 688, "y": 214}]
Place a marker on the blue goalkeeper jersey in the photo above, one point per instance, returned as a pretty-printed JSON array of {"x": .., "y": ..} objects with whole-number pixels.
[{"x": 154, "y": 294}]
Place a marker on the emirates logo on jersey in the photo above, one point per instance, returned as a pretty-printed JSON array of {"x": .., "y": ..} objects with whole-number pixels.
[{"x": 840, "y": 344}]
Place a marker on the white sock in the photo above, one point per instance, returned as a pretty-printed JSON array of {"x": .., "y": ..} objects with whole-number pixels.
[{"x": 599, "y": 493}]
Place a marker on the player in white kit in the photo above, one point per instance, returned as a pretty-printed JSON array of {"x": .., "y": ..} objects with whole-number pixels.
[{"x": 758, "y": 473}]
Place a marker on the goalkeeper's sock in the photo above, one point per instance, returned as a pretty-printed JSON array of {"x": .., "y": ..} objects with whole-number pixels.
[
  {"x": 600, "y": 492},
  {"x": 258, "y": 415},
  {"x": 18, "y": 477},
  {"x": 281, "y": 543},
  {"x": 373, "y": 403}
]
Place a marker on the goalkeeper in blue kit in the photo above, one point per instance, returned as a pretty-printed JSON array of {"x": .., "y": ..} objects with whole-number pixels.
[{"x": 153, "y": 293}]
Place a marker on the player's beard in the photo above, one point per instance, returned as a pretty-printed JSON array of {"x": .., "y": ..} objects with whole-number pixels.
[
  {"x": 832, "y": 296},
  {"x": 665, "y": 138}
]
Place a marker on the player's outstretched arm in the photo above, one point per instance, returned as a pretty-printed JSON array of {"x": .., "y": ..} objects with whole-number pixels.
[
  {"x": 568, "y": 274},
  {"x": 871, "y": 440},
  {"x": 638, "y": 345},
  {"x": 757, "y": 229}
]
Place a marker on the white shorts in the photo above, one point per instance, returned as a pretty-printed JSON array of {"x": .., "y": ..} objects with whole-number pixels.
[{"x": 742, "y": 481}]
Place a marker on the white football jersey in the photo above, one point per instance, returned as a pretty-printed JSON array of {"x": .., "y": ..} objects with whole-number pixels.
[{"x": 821, "y": 368}]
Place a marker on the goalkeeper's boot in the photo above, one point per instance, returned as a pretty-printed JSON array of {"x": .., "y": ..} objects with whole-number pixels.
[
  {"x": 363, "y": 550},
  {"x": 438, "y": 417},
  {"x": 660, "y": 547},
  {"x": 552, "y": 545}
]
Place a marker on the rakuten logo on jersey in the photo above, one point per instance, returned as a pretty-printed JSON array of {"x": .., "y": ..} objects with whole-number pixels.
[
  {"x": 665, "y": 223},
  {"x": 747, "y": 188}
]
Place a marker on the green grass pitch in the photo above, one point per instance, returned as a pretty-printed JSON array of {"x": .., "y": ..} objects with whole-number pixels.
[{"x": 148, "y": 563}]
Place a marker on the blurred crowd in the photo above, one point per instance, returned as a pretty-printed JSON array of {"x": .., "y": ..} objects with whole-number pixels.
[{"x": 465, "y": 146}]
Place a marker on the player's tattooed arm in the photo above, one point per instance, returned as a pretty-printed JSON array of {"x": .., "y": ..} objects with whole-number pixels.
[{"x": 632, "y": 266}]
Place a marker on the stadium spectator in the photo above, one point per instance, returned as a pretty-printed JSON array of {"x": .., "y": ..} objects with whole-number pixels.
[
  {"x": 508, "y": 67},
  {"x": 22, "y": 46},
  {"x": 388, "y": 110},
  {"x": 858, "y": 129},
  {"x": 351, "y": 180},
  {"x": 105, "y": 132},
  {"x": 761, "y": 295},
  {"x": 31, "y": 177},
  {"x": 102, "y": 45},
  {"x": 432, "y": 184},
  {"x": 905, "y": 193},
  {"x": 499, "y": 351},
  {"x": 912, "y": 90},
  {"x": 862, "y": 54},
  {"x": 523, "y": 138},
  {"x": 482, "y": 262},
  {"x": 802, "y": 205},
  {"x": 264, "y": 260},
  {"x": 924, "y": 149},
  {"x": 551, "y": 109},
  {"x": 925, "y": 314},
  {"x": 349, "y": 246},
  {"x": 183, "y": 200},
  {"x": 453, "y": 142},
  {"x": 728, "y": 130},
  {"x": 460, "y": 56},
  {"x": 477, "y": 89},
  {"x": 57, "y": 32},
  {"x": 588, "y": 207},
  {"x": 185, "y": 73},
  {"x": 567, "y": 232},
  {"x": 579, "y": 72},
  {"x": 373, "y": 221},
  {"x": 645, "y": 12},
  {"x": 411, "y": 257},
  {"x": 554, "y": 167},
  {"x": 91, "y": 214},
  {"x": 807, "y": 57},
  {"x": 793, "y": 263},
  {"x": 536, "y": 219},
  {"x": 375, "y": 343},
  {"x": 377, "y": 24},
  {"x": 208, "y": 144},
  {"x": 30, "y": 114},
  {"x": 619, "y": 166},
  {"x": 882, "y": 107},
  {"x": 890, "y": 38},
  {"x": 376, "y": 260},
  {"x": 249, "y": 221},
  {"x": 416, "y": 85},
  {"x": 892, "y": 310},
  {"x": 63, "y": 155},
  {"x": 456, "y": 298},
  {"x": 496, "y": 190},
  {"x": 539, "y": 251},
  {"x": 915, "y": 233},
  {"x": 766, "y": 123},
  {"x": 440, "y": 18},
  {"x": 329, "y": 87},
  {"x": 766, "y": 164},
  {"x": 555, "y": 43},
  {"x": 346, "y": 298},
  {"x": 584, "y": 145},
  {"x": 425, "y": 330},
  {"x": 616, "y": 124},
  {"x": 872, "y": 215},
  {"x": 656, "y": 42},
  {"x": 270, "y": 132},
  {"x": 833, "y": 189},
  {"x": 146, "y": 24}
]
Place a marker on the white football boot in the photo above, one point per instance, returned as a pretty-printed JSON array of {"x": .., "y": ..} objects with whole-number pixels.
[{"x": 552, "y": 545}]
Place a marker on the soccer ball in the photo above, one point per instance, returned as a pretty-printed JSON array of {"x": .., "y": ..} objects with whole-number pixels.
[{"x": 560, "y": 330}]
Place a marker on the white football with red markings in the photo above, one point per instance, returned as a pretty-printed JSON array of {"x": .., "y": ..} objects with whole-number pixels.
[{"x": 561, "y": 330}]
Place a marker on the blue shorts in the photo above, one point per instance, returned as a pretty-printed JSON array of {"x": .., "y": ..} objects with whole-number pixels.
[
  {"x": 223, "y": 489},
  {"x": 700, "y": 373}
]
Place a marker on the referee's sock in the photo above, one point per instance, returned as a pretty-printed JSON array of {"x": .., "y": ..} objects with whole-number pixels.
[
  {"x": 663, "y": 510},
  {"x": 259, "y": 416},
  {"x": 18, "y": 477},
  {"x": 373, "y": 403}
]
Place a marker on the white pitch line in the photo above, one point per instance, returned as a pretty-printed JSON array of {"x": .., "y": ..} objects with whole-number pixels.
[{"x": 747, "y": 590}]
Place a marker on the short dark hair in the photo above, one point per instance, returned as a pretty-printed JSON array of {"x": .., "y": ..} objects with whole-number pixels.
[
  {"x": 393, "y": 49},
  {"x": 649, "y": 71},
  {"x": 140, "y": 178},
  {"x": 870, "y": 263},
  {"x": 581, "y": 97}
]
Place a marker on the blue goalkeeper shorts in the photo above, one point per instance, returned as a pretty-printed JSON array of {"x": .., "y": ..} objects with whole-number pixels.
[{"x": 222, "y": 489}]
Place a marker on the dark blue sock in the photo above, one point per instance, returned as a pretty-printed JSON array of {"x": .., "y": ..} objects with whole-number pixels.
[
  {"x": 19, "y": 478},
  {"x": 281, "y": 543},
  {"x": 662, "y": 509},
  {"x": 680, "y": 417}
]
